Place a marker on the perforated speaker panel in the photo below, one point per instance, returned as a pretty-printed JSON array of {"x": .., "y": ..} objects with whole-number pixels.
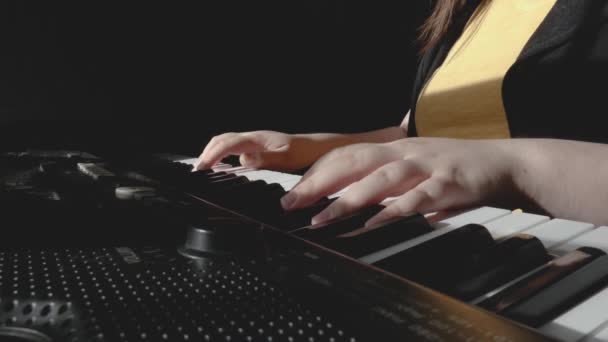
[{"x": 149, "y": 294}]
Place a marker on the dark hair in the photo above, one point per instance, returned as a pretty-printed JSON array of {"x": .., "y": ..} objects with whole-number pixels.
[{"x": 437, "y": 24}]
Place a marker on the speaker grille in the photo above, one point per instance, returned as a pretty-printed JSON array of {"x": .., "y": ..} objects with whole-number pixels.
[{"x": 149, "y": 294}]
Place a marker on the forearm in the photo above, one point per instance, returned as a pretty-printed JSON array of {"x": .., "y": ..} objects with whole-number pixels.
[
  {"x": 329, "y": 141},
  {"x": 567, "y": 179},
  {"x": 310, "y": 147}
]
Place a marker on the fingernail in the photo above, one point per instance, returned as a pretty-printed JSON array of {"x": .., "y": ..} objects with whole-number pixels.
[
  {"x": 321, "y": 217},
  {"x": 372, "y": 221},
  {"x": 288, "y": 200}
]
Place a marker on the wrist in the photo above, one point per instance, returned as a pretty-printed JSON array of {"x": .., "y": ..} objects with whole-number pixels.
[{"x": 522, "y": 158}]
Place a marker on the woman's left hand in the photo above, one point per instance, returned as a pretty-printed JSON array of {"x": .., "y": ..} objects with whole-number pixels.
[{"x": 424, "y": 174}]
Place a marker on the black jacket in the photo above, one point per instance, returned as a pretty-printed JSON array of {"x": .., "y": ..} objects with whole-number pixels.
[{"x": 558, "y": 87}]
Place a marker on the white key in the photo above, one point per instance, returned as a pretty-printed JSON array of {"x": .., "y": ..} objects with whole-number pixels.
[
  {"x": 597, "y": 238},
  {"x": 289, "y": 184},
  {"x": 276, "y": 177},
  {"x": 177, "y": 158},
  {"x": 580, "y": 320},
  {"x": 601, "y": 336},
  {"x": 479, "y": 216},
  {"x": 254, "y": 175},
  {"x": 269, "y": 176},
  {"x": 513, "y": 223},
  {"x": 558, "y": 231}
]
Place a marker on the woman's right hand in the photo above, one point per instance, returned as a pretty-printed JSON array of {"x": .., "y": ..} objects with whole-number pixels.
[{"x": 261, "y": 149}]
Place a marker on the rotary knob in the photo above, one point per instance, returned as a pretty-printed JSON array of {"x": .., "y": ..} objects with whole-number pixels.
[{"x": 220, "y": 236}]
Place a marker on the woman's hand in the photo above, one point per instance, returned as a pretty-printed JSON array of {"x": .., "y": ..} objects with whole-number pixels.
[
  {"x": 259, "y": 149},
  {"x": 285, "y": 152},
  {"x": 425, "y": 174}
]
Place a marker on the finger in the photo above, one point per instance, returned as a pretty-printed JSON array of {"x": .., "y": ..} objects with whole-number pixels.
[
  {"x": 330, "y": 157},
  {"x": 227, "y": 145},
  {"x": 387, "y": 181},
  {"x": 209, "y": 146},
  {"x": 423, "y": 198},
  {"x": 335, "y": 175}
]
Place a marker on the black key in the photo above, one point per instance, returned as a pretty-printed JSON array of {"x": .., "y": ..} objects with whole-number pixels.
[
  {"x": 561, "y": 296},
  {"x": 328, "y": 230},
  {"x": 183, "y": 167},
  {"x": 267, "y": 205},
  {"x": 485, "y": 271},
  {"x": 380, "y": 237},
  {"x": 298, "y": 218},
  {"x": 200, "y": 178},
  {"x": 228, "y": 181},
  {"x": 210, "y": 189},
  {"x": 428, "y": 259},
  {"x": 219, "y": 175},
  {"x": 188, "y": 168},
  {"x": 241, "y": 196},
  {"x": 555, "y": 270}
]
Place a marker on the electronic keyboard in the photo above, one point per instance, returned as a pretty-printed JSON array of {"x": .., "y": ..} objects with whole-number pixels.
[
  {"x": 143, "y": 249},
  {"x": 583, "y": 314}
]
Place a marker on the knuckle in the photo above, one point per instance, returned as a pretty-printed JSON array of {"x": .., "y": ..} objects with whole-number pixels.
[
  {"x": 393, "y": 172},
  {"x": 450, "y": 171},
  {"x": 221, "y": 138},
  {"x": 434, "y": 189},
  {"x": 214, "y": 139},
  {"x": 351, "y": 159},
  {"x": 256, "y": 135},
  {"x": 386, "y": 174},
  {"x": 228, "y": 135}
]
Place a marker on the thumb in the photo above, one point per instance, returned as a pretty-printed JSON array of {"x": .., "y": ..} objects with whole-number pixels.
[
  {"x": 267, "y": 160},
  {"x": 253, "y": 160}
]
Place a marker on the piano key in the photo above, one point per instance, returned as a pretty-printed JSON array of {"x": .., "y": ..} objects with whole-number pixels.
[
  {"x": 514, "y": 292},
  {"x": 581, "y": 320},
  {"x": 558, "y": 297},
  {"x": 232, "y": 169},
  {"x": 601, "y": 334},
  {"x": 359, "y": 243},
  {"x": 558, "y": 231},
  {"x": 509, "y": 259},
  {"x": 294, "y": 219},
  {"x": 328, "y": 230},
  {"x": 218, "y": 175},
  {"x": 513, "y": 223},
  {"x": 245, "y": 194},
  {"x": 270, "y": 176},
  {"x": 289, "y": 184},
  {"x": 426, "y": 259},
  {"x": 288, "y": 181},
  {"x": 96, "y": 171},
  {"x": 212, "y": 186},
  {"x": 179, "y": 159},
  {"x": 476, "y": 216},
  {"x": 597, "y": 238},
  {"x": 227, "y": 181}
]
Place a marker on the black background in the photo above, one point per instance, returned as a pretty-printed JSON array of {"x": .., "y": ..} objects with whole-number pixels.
[{"x": 137, "y": 76}]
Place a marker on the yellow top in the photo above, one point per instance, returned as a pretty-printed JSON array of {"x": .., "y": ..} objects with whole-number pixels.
[{"x": 463, "y": 96}]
